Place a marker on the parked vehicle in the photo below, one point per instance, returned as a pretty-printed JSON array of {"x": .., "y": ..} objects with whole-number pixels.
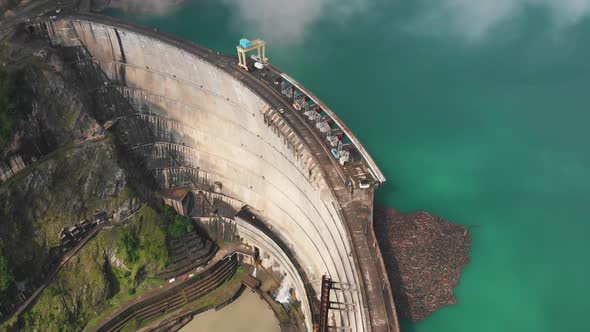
[
  {"x": 364, "y": 184},
  {"x": 171, "y": 281},
  {"x": 335, "y": 153}
]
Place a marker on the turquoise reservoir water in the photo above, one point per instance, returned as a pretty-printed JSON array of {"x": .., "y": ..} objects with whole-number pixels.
[{"x": 479, "y": 120}]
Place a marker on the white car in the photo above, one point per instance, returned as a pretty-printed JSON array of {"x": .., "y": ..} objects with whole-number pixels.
[
  {"x": 171, "y": 281},
  {"x": 335, "y": 153},
  {"x": 364, "y": 184}
]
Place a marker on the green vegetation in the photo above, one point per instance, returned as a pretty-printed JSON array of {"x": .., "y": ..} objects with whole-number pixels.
[
  {"x": 14, "y": 101},
  {"x": 67, "y": 203},
  {"x": 6, "y": 276},
  {"x": 128, "y": 291},
  {"x": 240, "y": 272},
  {"x": 142, "y": 245},
  {"x": 129, "y": 246},
  {"x": 112, "y": 269},
  {"x": 70, "y": 116},
  {"x": 7, "y": 107},
  {"x": 130, "y": 326},
  {"x": 78, "y": 290},
  {"x": 215, "y": 297},
  {"x": 80, "y": 180},
  {"x": 178, "y": 225}
]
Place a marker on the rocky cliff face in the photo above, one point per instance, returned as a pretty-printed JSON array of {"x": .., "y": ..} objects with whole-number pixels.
[
  {"x": 43, "y": 109},
  {"x": 78, "y": 293},
  {"x": 102, "y": 276},
  {"x": 69, "y": 167},
  {"x": 7, "y": 4}
]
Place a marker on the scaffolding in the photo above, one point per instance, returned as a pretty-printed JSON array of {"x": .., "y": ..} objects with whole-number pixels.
[{"x": 325, "y": 305}]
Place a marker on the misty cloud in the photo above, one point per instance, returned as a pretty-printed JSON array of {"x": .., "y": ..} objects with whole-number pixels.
[
  {"x": 475, "y": 19},
  {"x": 470, "y": 19},
  {"x": 154, "y": 7},
  {"x": 290, "y": 19}
]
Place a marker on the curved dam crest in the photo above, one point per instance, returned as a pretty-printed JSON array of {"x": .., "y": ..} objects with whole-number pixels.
[{"x": 226, "y": 127}]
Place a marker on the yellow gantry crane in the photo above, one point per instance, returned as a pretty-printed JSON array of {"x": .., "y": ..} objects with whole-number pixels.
[{"x": 250, "y": 45}]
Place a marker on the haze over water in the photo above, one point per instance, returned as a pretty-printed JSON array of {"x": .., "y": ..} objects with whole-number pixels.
[{"x": 476, "y": 111}]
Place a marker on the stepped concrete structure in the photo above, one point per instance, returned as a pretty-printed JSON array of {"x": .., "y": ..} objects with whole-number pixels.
[{"x": 241, "y": 133}]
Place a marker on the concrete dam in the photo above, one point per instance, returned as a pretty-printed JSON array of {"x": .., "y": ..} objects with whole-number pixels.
[{"x": 260, "y": 142}]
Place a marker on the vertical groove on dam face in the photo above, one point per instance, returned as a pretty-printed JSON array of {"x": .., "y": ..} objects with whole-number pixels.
[
  {"x": 207, "y": 119},
  {"x": 122, "y": 59}
]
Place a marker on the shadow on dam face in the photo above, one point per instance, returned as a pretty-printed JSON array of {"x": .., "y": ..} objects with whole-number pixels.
[{"x": 224, "y": 128}]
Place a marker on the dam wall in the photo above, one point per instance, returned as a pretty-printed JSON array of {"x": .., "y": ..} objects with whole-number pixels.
[{"x": 206, "y": 120}]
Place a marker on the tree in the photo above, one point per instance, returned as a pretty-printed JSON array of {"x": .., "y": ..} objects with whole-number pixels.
[
  {"x": 6, "y": 107},
  {"x": 129, "y": 246},
  {"x": 6, "y": 277},
  {"x": 180, "y": 226}
]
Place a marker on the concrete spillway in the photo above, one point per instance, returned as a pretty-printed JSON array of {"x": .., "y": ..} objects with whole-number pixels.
[{"x": 231, "y": 128}]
